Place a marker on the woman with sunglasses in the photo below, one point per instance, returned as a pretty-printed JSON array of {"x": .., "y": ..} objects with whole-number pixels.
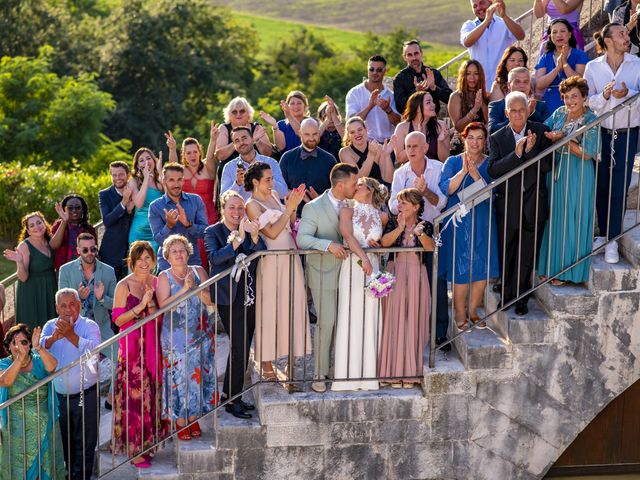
[
  {"x": 35, "y": 294},
  {"x": 29, "y": 426},
  {"x": 74, "y": 220}
]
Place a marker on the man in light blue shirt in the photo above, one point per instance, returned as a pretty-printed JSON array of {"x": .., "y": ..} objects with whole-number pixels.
[
  {"x": 177, "y": 212},
  {"x": 233, "y": 172},
  {"x": 67, "y": 338}
]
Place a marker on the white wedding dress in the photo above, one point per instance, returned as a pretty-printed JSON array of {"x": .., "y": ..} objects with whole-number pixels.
[{"x": 359, "y": 314}]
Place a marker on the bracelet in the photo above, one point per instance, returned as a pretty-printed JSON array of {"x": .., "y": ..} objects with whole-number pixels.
[
  {"x": 565, "y": 65},
  {"x": 37, "y": 350}
]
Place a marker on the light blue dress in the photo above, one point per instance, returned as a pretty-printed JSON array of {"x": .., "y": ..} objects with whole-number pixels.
[
  {"x": 485, "y": 251},
  {"x": 568, "y": 233},
  {"x": 188, "y": 348},
  {"x": 140, "y": 229}
]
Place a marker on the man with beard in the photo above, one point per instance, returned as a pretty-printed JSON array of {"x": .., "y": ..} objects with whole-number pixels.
[
  {"x": 308, "y": 164},
  {"x": 233, "y": 172},
  {"x": 177, "y": 212},
  {"x": 374, "y": 103},
  {"x": 418, "y": 77},
  {"x": 116, "y": 209}
]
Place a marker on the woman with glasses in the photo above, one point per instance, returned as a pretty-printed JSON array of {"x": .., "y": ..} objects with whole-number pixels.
[
  {"x": 35, "y": 294},
  {"x": 74, "y": 220}
]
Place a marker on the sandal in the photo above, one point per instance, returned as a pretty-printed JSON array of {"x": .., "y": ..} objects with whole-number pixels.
[
  {"x": 481, "y": 325},
  {"x": 269, "y": 376},
  {"x": 184, "y": 434},
  {"x": 195, "y": 430},
  {"x": 558, "y": 283},
  {"x": 461, "y": 326}
]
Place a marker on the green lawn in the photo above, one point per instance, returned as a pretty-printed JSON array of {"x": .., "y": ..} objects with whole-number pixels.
[{"x": 6, "y": 267}]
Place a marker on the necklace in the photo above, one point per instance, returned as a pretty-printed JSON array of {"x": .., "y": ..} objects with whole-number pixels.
[{"x": 175, "y": 274}]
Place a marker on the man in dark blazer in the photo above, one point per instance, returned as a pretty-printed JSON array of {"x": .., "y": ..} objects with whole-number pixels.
[
  {"x": 116, "y": 217},
  {"x": 521, "y": 203}
]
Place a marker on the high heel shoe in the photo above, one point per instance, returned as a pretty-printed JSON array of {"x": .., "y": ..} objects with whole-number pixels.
[
  {"x": 184, "y": 434},
  {"x": 195, "y": 430}
]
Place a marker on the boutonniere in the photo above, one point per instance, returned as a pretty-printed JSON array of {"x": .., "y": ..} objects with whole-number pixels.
[{"x": 235, "y": 235}]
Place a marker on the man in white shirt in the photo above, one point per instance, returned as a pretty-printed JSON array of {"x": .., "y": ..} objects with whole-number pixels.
[
  {"x": 613, "y": 78},
  {"x": 424, "y": 173},
  {"x": 488, "y": 36},
  {"x": 374, "y": 103}
]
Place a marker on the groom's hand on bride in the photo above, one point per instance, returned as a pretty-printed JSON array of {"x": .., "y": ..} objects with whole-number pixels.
[{"x": 337, "y": 250}]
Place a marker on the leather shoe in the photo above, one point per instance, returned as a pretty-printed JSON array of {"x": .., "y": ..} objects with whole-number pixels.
[
  {"x": 236, "y": 410},
  {"x": 440, "y": 341},
  {"x": 521, "y": 309},
  {"x": 319, "y": 386},
  {"x": 246, "y": 406}
]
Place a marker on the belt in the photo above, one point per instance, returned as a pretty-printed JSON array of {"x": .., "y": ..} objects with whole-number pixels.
[
  {"x": 76, "y": 395},
  {"x": 617, "y": 131}
]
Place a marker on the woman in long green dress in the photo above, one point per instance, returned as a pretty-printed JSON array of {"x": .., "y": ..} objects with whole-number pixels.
[
  {"x": 568, "y": 234},
  {"x": 35, "y": 295},
  {"x": 31, "y": 445}
]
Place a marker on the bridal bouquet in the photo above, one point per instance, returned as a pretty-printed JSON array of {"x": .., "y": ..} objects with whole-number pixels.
[{"x": 380, "y": 285}]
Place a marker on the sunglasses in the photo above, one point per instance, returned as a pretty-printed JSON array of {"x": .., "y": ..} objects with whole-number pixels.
[
  {"x": 85, "y": 250},
  {"x": 376, "y": 69},
  {"x": 22, "y": 342},
  {"x": 242, "y": 111}
]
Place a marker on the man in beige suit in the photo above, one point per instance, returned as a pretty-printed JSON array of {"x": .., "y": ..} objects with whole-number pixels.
[{"x": 319, "y": 230}]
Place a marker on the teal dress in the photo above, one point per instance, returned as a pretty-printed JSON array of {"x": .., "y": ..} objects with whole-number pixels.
[
  {"x": 140, "y": 228},
  {"x": 568, "y": 233},
  {"x": 31, "y": 442}
]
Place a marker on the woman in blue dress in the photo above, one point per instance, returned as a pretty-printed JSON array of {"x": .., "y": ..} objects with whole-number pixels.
[
  {"x": 476, "y": 235},
  {"x": 188, "y": 341},
  {"x": 146, "y": 186},
  {"x": 568, "y": 234},
  {"x": 561, "y": 60}
]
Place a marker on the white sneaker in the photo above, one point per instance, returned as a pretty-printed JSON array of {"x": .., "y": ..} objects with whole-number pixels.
[
  {"x": 611, "y": 252},
  {"x": 598, "y": 242}
]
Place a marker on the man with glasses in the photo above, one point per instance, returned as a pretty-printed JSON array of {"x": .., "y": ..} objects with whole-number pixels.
[
  {"x": 417, "y": 77},
  {"x": 95, "y": 283},
  {"x": 374, "y": 103}
]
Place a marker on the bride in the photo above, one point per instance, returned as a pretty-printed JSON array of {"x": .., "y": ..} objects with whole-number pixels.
[{"x": 358, "y": 325}]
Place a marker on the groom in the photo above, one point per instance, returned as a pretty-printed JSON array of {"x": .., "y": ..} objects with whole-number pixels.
[{"x": 319, "y": 230}]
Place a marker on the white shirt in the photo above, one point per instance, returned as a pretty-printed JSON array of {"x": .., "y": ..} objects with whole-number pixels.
[
  {"x": 335, "y": 202},
  {"x": 489, "y": 48},
  {"x": 404, "y": 177},
  {"x": 378, "y": 124},
  {"x": 598, "y": 73}
]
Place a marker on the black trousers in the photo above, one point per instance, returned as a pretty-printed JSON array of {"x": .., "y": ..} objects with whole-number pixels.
[
  {"x": 240, "y": 324},
  {"x": 79, "y": 435}
]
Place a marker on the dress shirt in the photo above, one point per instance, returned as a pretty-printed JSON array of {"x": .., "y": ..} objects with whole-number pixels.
[
  {"x": 498, "y": 116},
  {"x": 378, "y": 124},
  {"x": 598, "y": 73},
  {"x": 489, "y": 48},
  {"x": 228, "y": 181},
  {"x": 404, "y": 177},
  {"x": 196, "y": 214},
  {"x": 403, "y": 86},
  {"x": 65, "y": 353},
  {"x": 519, "y": 135},
  {"x": 335, "y": 202}
]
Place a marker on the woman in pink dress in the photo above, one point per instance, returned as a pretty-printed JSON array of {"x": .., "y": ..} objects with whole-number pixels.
[
  {"x": 405, "y": 318},
  {"x": 199, "y": 175},
  {"x": 281, "y": 289},
  {"x": 136, "y": 407}
]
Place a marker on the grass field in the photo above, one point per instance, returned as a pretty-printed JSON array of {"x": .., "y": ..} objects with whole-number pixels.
[
  {"x": 6, "y": 268},
  {"x": 437, "y": 20}
]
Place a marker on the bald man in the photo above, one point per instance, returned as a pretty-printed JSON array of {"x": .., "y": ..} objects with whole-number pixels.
[
  {"x": 308, "y": 164},
  {"x": 423, "y": 173}
]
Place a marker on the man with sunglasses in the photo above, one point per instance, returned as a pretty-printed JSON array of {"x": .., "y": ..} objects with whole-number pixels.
[{"x": 374, "y": 103}]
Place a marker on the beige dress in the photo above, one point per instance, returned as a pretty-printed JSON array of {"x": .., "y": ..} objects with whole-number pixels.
[{"x": 281, "y": 299}]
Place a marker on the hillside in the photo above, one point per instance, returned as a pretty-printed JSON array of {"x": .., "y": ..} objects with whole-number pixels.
[{"x": 437, "y": 20}]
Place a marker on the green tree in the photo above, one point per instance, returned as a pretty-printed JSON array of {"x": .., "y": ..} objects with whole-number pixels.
[{"x": 389, "y": 46}]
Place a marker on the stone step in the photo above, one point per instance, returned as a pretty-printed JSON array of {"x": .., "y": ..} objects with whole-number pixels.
[
  {"x": 630, "y": 242},
  {"x": 567, "y": 299},
  {"x": 483, "y": 348},
  {"x": 616, "y": 277}
]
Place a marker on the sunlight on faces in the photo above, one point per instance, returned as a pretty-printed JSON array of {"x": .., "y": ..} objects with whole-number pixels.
[
  {"x": 265, "y": 184},
  {"x": 36, "y": 226},
  {"x": 416, "y": 146},
  {"x": 242, "y": 142},
  {"x": 192, "y": 154},
  {"x": 309, "y": 134},
  {"x": 412, "y": 54},
  {"x": 619, "y": 42},
  {"x": 144, "y": 263},
  {"x": 177, "y": 252},
  {"x": 521, "y": 82},
  {"x": 233, "y": 211},
  {"x": 18, "y": 341},
  {"x": 560, "y": 34},
  {"x": 472, "y": 76},
  {"x": 475, "y": 142},
  {"x": 363, "y": 193},
  {"x": 408, "y": 209},
  {"x": 480, "y": 7},
  {"x": 144, "y": 159},
  {"x": 87, "y": 250},
  {"x": 68, "y": 307},
  {"x": 297, "y": 107},
  {"x": 574, "y": 101},
  {"x": 515, "y": 60},
  {"x": 74, "y": 209},
  {"x": 429, "y": 106},
  {"x": 517, "y": 112},
  {"x": 376, "y": 71},
  {"x": 358, "y": 133},
  {"x": 119, "y": 177},
  {"x": 172, "y": 181}
]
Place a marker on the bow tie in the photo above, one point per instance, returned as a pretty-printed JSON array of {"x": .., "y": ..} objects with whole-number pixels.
[{"x": 304, "y": 154}]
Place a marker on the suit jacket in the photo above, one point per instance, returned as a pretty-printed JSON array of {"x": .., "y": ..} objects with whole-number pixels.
[
  {"x": 71, "y": 276},
  {"x": 117, "y": 221},
  {"x": 498, "y": 117},
  {"x": 503, "y": 159},
  {"x": 221, "y": 256},
  {"x": 319, "y": 226}
]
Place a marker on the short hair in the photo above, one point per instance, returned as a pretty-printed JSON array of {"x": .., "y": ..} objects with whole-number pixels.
[
  {"x": 235, "y": 102},
  {"x": 86, "y": 236},
  {"x": 120, "y": 164},
  {"x": 308, "y": 121},
  {"x": 513, "y": 96},
  {"x": 549, "y": 46},
  {"x": 413, "y": 196},
  {"x": 576, "y": 81},
  {"x": 413, "y": 41},
  {"x": 254, "y": 172},
  {"x": 341, "y": 172},
  {"x": 240, "y": 129},
  {"x": 604, "y": 33},
  {"x": 175, "y": 238},
  {"x": 192, "y": 141},
  {"x": 136, "y": 250},
  {"x": 224, "y": 198},
  {"x": 14, "y": 332},
  {"x": 416, "y": 133},
  {"x": 24, "y": 233},
  {"x": 67, "y": 291},
  {"x": 516, "y": 71},
  {"x": 377, "y": 58},
  {"x": 474, "y": 126},
  {"x": 172, "y": 166},
  {"x": 346, "y": 140}
]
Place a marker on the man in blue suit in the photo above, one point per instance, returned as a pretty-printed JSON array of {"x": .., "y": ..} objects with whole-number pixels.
[
  {"x": 519, "y": 81},
  {"x": 116, "y": 216}
]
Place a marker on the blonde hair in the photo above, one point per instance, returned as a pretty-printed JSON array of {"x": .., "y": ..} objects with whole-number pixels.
[
  {"x": 237, "y": 102},
  {"x": 175, "y": 238},
  {"x": 224, "y": 198},
  {"x": 346, "y": 140},
  {"x": 379, "y": 193}
]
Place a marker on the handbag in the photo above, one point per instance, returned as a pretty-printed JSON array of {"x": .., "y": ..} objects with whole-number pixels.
[{"x": 466, "y": 193}]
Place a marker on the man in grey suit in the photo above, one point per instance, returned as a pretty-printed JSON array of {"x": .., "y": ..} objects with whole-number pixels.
[{"x": 319, "y": 230}]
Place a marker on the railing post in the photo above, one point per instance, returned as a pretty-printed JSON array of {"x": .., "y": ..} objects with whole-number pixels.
[{"x": 434, "y": 296}]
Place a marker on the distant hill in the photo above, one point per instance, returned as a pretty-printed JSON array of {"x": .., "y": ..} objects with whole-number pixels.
[{"x": 437, "y": 20}]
